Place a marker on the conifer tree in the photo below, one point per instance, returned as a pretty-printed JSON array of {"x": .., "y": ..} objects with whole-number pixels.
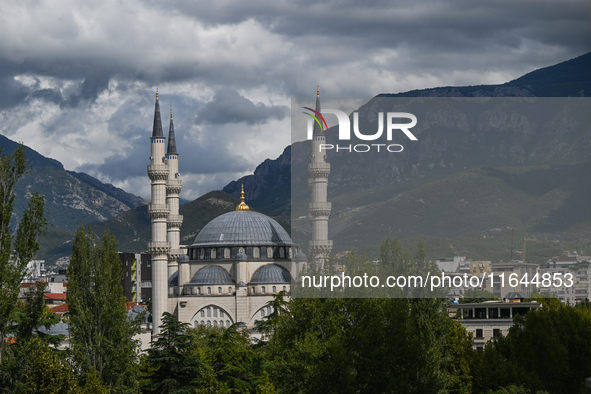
[
  {"x": 171, "y": 366},
  {"x": 100, "y": 328},
  {"x": 15, "y": 252}
]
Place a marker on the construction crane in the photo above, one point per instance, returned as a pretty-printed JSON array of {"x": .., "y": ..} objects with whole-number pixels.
[{"x": 526, "y": 239}]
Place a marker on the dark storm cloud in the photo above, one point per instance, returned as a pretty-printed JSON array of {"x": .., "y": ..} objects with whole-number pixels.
[
  {"x": 228, "y": 106},
  {"x": 194, "y": 158},
  {"x": 79, "y": 77},
  {"x": 89, "y": 90}
]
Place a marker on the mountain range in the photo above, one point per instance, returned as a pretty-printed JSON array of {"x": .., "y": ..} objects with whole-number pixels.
[{"x": 463, "y": 194}]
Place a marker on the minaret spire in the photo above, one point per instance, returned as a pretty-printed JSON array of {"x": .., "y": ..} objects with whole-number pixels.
[
  {"x": 171, "y": 141},
  {"x": 157, "y": 129}
]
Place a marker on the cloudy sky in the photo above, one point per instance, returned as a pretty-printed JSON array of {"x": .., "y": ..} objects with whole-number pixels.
[{"x": 78, "y": 78}]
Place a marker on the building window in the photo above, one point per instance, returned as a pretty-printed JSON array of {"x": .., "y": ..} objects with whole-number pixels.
[
  {"x": 227, "y": 253},
  {"x": 219, "y": 290},
  {"x": 209, "y": 290},
  {"x": 221, "y": 313},
  {"x": 263, "y": 289},
  {"x": 290, "y": 253},
  {"x": 479, "y": 333},
  {"x": 215, "y": 312},
  {"x": 240, "y": 250},
  {"x": 253, "y": 289},
  {"x": 208, "y": 312},
  {"x": 230, "y": 290},
  {"x": 281, "y": 253},
  {"x": 195, "y": 323},
  {"x": 274, "y": 289},
  {"x": 202, "y": 322},
  {"x": 263, "y": 312},
  {"x": 255, "y": 253},
  {"x": 201, "y": 254},
  {"x": 202, "y": 313},
  {"x": 199, "y": 290},
  {"x": 149, "y": 263},
  {"x": 209, "y": 323},
  {"x": 496, "y": 332},
  {"x": 269, "y": 252},
  {"x": 215, "y": 323},
  {"x": 227, "y": 323},
  {"x": 284, "y": 288},
  {"x": 213, "y": 253}
]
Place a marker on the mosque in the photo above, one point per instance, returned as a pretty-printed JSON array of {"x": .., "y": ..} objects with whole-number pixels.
[{"x": 239, "y": 260}]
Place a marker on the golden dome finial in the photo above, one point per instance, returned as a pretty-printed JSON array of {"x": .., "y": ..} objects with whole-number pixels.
[
  {"x": 171, "y": 112},
  {"x": 317, "y": 90},
  {"x": 156, "y": 92},
  {"x": 242, "y": 206}
]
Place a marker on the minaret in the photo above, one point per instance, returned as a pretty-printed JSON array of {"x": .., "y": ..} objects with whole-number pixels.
[
  {"x": 158, "y": 211},
  {"x": 319, "y": 209},
  {"x": 173, "y": 188}
]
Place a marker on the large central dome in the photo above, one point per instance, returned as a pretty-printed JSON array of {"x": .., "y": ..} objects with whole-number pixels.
[{"x": 243, "y": 228}]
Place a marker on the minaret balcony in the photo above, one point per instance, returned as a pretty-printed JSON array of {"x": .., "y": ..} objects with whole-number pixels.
[
  {"x": 158, "y": 172},
  {"x": 175, "y": 221},
  {"x": 320, "y": 247},
  {"x": 319, "y": 170},
  {"x": 319, "y": 209},
  {"x": 158, "y": 210},
  {"x": 158, "y": 247},
  {"x": 174, "y": 254},
  {"x": 173, "y": 186}
]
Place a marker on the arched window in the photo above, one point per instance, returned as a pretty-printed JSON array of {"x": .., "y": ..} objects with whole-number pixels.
[
  {"x": 255, "y": 253},
  {"x": 221, "y": 313},
  {"x": 215, "y": 323},
  {"x": 213, "y": 253},
  {"x": 263, "y": 289},
  {"x": 201, "y": 254},
  {"x": 274, "y": 289},
  {"x": 230, "y": 290},
  {"x": 202, "y": 322},
  {"x": 284, "y": 288},
  {"x": 202, "y": 313},
  {"x": 228, "y": 323},
  {"x": 269, "y": 252},
  {"x": 219, "y": 290},
  {"x": 241, "y": 250},
  {"x": 209, "y": 290},
  {"x": 227, "y": 253},
  {"x": 215, "y": 312},
  {"x": 208, "y": 312},
  {"x": 263, "y": 312},
  {"x": 253, "y": 289},
  {"x": 199, "y": 290},
  {"x": 195, "y": 323},
  {"x": 281, "y": 253},
  {"x": 209, "y": 323},
  {"x": 290, "y": 253}
]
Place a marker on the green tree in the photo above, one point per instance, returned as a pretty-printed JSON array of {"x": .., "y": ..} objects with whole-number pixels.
[
  {"x": 100, "y": 328},
  {"x": 171, "y": 366},
  {"x": 367, "y": 345},
  {"x": 546, "y": 349},
  {"x": 15, "y": 252}
]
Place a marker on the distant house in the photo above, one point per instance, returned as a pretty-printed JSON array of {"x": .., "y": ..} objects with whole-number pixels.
[
  {"x": 486, "y": 320},
  {"x": 55, "y": 298}
]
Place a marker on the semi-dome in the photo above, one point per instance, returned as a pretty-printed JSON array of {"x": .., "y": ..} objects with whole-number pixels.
[
  {"x": 243, "y": 228},
  {"x": 212, "y": 275},
  {"x": 271, "y": 273}
]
